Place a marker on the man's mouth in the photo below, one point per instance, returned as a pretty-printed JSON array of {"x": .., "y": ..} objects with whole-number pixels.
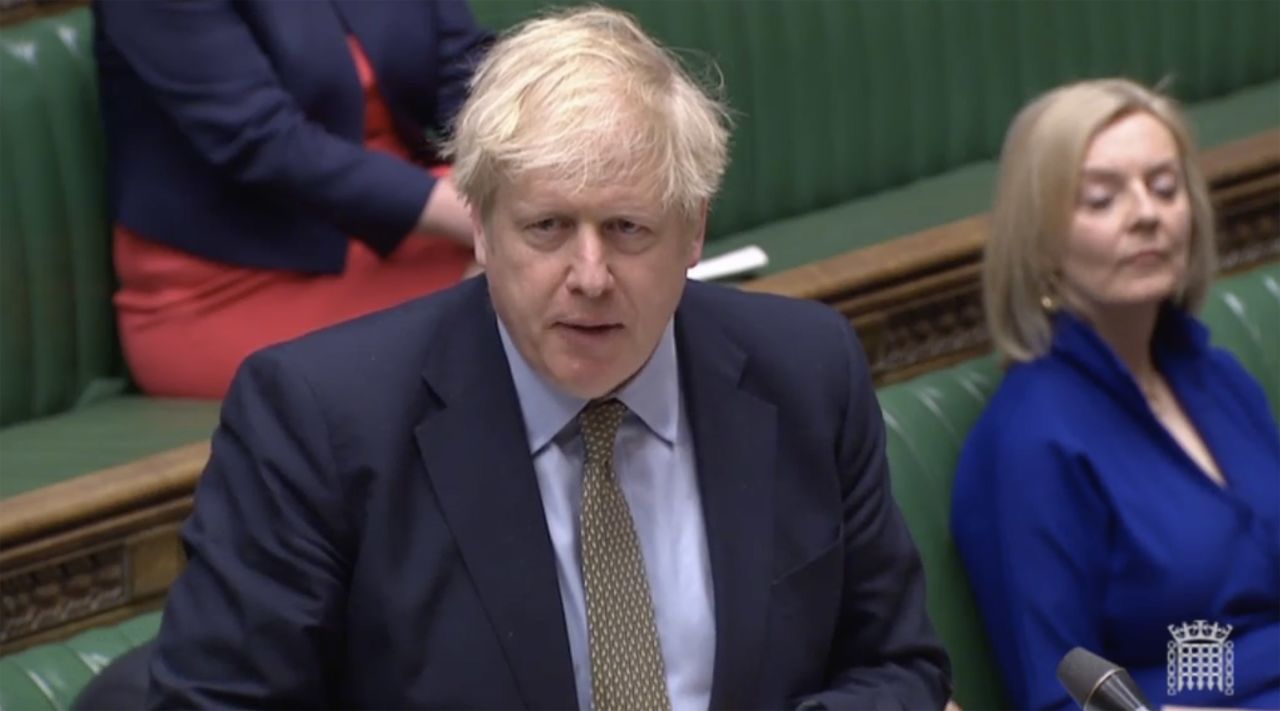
[{"x": 590, "y": 328}]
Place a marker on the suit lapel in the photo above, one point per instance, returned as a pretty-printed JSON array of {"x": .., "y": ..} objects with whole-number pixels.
[
  {"x": 734, "y": 434},
  {"x": 476, "y": 453}
]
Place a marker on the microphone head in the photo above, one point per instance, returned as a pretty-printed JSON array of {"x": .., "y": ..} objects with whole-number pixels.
[
  {"x": 1081, "y": 670},
  {"x": 1097, "y": 684}
]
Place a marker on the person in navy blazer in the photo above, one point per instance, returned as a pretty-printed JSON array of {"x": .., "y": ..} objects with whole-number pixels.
[
  {"x": 235, "y": 128},
  {"x": 377, "y": 527},
  {"x": 270, "y": 170}
]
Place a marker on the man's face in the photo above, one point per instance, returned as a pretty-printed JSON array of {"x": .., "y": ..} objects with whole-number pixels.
[{"x": 585, "y": 280}]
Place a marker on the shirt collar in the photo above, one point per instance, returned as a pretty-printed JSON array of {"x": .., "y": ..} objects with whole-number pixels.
[{"x": 653, "y": 395}]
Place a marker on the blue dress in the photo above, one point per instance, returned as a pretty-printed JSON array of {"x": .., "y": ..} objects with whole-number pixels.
[{"x": 1082, "y": 522}]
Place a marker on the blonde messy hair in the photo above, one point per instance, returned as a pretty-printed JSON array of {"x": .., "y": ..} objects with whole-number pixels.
[
  {"x": 1036, "y": 192},
  {"x": 585, "y": 96}
]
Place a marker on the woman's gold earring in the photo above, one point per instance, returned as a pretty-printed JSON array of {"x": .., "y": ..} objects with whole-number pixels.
[{"x": 1048, "y": 303}]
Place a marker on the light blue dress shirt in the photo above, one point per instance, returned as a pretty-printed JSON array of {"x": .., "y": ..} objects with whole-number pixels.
[{"x": 653, "y": 460}]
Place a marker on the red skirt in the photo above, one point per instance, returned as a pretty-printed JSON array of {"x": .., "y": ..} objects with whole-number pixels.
[{"x": 186, "y": 323}]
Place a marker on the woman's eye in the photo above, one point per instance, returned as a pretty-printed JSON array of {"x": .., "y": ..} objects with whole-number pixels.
[
  {"x": 1097, "y": 200},
  {"x": 1165, "y": 186}
]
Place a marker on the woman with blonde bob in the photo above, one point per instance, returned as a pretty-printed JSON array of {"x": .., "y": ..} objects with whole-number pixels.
[{"x": 1124, "y": 481}]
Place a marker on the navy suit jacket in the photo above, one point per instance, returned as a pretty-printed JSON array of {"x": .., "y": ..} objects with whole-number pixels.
[
  {"x": 369, "y": 530},
  {"x": 235, "y": 128}
]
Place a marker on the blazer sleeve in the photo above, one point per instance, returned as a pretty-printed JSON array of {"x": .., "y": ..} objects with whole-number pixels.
[
  {"x": 204, "y": 69},
  {"x": 256, "y": 618},
  {"x": 1032, "y": 528},
  {"x": 460, "y": 43},
  {"x": 885, "y": 653}
]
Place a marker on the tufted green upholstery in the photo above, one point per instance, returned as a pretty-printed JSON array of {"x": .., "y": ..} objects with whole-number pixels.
[
  {"x": 958, "y": 193},
  {"x": 62, "y": 411},
  {"x": 926, "y": 421},
  {"x": 57, "y": 335},
  {"x": 1244, "y": 315},
  {"x": 928, "y": 418},
  {"x": 50, "y": 676},
  {"x": 841, "y": 100}
]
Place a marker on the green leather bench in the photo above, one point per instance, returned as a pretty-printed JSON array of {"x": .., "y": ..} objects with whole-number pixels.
[
  {"x": 856, "y": 122},
  {"x": 74, "y": 549},
  {"x": 64, "y": 405},
  {"x": 50, "y": 676},
  {"x": 926, "y": 420}
]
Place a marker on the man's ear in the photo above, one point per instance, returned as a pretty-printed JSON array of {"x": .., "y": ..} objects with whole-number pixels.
[
  {"x": 481, "y": 237},
  {"x": 700, "y": 235}
]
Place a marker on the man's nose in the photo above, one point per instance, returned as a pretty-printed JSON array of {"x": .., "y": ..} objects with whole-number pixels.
[{"x": 589, "y": 272}]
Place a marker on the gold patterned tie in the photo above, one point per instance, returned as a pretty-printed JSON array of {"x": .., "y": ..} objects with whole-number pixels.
[{"x": 626, "y": 660}]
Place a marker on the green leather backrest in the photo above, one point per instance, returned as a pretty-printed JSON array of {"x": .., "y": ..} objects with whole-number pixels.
[
  {"x": 834, "y": 100},
  {"x": 1243, "y": 314},
  {"x": 57, "y": 329},
  {"x": 840, "y": 99},
  {"x": 928, "y": 418},
  {"x": 50, "y": 676}
]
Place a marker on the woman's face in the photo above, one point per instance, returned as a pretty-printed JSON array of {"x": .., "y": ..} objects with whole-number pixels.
[{"x": 1130, "y": 233}]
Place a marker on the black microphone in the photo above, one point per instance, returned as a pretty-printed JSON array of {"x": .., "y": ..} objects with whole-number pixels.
[{"x": 1099, "y": 685}]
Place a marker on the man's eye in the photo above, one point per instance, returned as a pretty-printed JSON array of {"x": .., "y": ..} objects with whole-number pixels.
[
  {"x": 549, "y": 224},
  {"x": 626, "y": 227}
]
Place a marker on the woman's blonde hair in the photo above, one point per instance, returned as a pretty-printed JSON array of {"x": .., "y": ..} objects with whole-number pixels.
[
  {"x": 585, "y": 96},
  {"x": 1036, "y": 194}
]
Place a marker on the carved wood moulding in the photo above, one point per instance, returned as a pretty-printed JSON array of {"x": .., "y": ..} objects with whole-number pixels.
[
  {"x": 60, "y": 592},
  {"x": 916, "y": 300},
  {"x": 95, "y": 549},
  {"x": 15, "y": 12}
]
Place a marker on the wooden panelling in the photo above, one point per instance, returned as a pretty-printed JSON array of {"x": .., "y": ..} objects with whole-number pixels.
[
  {"x": 916, "y": 300},
  {"x": 94, "y": 549},
  {"x": 13, "y": 12}
]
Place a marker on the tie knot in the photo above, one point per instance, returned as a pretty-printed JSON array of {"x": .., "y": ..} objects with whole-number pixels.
[{"x": 599, "y": 421}]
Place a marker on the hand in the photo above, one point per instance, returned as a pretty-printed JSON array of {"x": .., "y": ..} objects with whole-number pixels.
[{"x": 446, "y": 214}]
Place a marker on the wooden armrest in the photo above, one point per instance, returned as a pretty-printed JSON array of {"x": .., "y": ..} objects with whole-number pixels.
[{"x": 97, "y": 549}]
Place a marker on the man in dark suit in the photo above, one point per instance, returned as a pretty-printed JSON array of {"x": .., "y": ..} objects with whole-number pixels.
[{"x": 574, "y": 482}]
